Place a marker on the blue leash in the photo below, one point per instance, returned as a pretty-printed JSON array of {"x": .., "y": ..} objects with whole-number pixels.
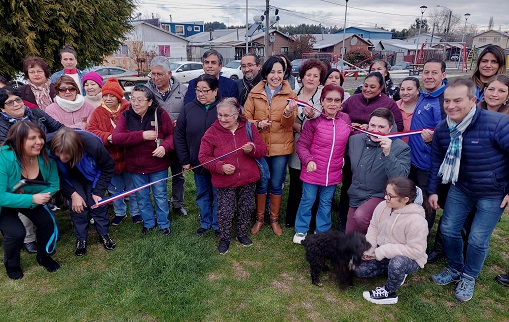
[{"x": 52, "y": 242}]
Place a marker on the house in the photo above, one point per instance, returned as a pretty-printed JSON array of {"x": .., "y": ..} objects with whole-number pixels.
[
  {"x": 231, "y": 43},
  {"x": 333, "y": 43},
  {"x": 491, "y": 37},
  {"x": 424, "y": 38},
  {"x": 144, "y": 42},
  {"x": 183, "y": 29},
  {"x": 368, "y": 32}
]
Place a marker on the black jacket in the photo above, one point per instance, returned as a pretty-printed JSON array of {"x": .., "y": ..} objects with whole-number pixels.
[{"x": 36, "y": 115}]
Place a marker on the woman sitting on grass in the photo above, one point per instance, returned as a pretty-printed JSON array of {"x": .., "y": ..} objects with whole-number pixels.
[
  {"x": 23, "y": 156},
  {"x": 397, "y": 233},
  {"x": 234, "y": 176}
]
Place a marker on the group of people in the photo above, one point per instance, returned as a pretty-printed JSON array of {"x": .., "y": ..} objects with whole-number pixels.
[{"x": 238, "y": 138}]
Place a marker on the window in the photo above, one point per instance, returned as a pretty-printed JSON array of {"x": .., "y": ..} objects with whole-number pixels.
[
  {"x": 122, "y": 50},
  {"x": 197, "y": 28},
  {"x": 482, "y": 39},
  {"x": 166, "y": 27},
  {"x": 496, "y": 39},
  {"x": 164, "y": 50},
  {"x": 179, "y": 29},
  {"x": 115, "y": 71},
  {"x": 284, "y": 50}
]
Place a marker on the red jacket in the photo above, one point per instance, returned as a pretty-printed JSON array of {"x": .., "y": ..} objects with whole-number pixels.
[
  {"x": 137, "y": 150},
  {"x": 218, "y": 141},
  {"x": 102, "y": 123}
]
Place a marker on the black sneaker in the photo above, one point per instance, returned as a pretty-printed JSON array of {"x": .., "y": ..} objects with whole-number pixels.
[
  {"x": 245, "y": 241},
  {"x": 380, "y": 296},
  {"x": 180, "y": 211},
  {"x": 48, "y": 263},
  {"x": 117, "y": 220},
  {"x": 166, "y": 231},
  {"x": 201, "y": 231},
  {"x": 145, "y": 230},
  {"x": 108, "y": 243},
  {"x": 81, "y": 248},
  {"x": 137, "y": 219},
  {"x": 223, "y": 247},
  {"x": 14, "y": 273},
  {"x": 30, "y": 247}
]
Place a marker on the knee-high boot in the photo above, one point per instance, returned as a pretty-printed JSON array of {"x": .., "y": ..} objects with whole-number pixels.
[
  {"x": 261, "y": 199},
  {"x": 275, "y": 206}
]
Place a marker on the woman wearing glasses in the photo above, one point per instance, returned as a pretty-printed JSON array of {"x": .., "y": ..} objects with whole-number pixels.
[
  {"x": 321, "y": 149},
  {"x": 145, "y": 131},
  {"x": 38, "y": 90},
  {"x": 192, "y": 123},
  {"x": 70, "y": 107},
  {"x": 233, "y": 176}
]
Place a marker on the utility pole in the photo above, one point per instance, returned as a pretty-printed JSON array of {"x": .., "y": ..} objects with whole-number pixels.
[
  {"x": 247, "y": 27},
  {"x": 267, "y": 25}
]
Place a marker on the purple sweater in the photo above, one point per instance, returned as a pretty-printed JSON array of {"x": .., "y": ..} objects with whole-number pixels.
[
  {"x": 359, "y": 108},
  {"x": 323, "y": 140}
]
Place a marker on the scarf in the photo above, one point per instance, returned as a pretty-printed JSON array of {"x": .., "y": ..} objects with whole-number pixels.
[
  {"x": 113, "y": 114},
  {"x": 13, "y": 120},
  {"x": 94, "y": 100},
  {"x": 41, "y": 94},
  {"x": 70, "y": 71},
  {"x": 70, "y": 106},
  {"x": 269, "y": 92},
  {"x": 450, "y": 168},
  {"x": 248, "y": 86}
]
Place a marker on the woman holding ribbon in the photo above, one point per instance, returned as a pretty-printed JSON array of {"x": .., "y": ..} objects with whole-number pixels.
[{"x": 23, "y": 156}]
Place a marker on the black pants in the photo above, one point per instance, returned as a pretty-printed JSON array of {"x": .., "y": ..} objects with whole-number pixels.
[
  {"x": 81, "y": 221},
  {"x": 14, "y": 232},
  {"x": 177, "y": 182},
  {"x": 344, "y": 199}
]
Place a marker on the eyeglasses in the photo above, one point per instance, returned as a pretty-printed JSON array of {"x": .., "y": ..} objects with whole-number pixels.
[
  {"x": 248, "y": 66},
  {"x": 330, "y": 100},
  {"x": 34, "y": 72},
  {"x": 389, "y": 196},
  {"x": 203, "y": 91},
  {"x": 17, "y": 100},
  {"x": 225, "y": 116},
  {"x": 155, "y": 75},
  {"x": 138, "y": 100},
  {"x": 65, "y": 89}
]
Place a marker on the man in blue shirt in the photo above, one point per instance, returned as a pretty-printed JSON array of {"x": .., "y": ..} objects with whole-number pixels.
[{"x": 212, "y": 63}]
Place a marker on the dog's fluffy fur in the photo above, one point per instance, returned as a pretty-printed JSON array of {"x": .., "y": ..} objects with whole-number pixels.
[{"x": 344, "y": 252}]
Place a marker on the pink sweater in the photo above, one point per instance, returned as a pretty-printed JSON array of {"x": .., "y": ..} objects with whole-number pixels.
[
  {"x": 77, "y": 119},
  {"x": 323, "y": 140}
]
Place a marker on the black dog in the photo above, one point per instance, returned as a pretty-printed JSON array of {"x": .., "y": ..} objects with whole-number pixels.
[{"x": 344, "y": 252}]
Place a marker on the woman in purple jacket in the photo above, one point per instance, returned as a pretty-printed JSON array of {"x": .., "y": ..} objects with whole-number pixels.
[{"x": 321, "y": 149}]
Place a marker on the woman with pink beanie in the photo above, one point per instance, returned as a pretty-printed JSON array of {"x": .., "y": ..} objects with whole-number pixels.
[{"x": 92, "y": 84}]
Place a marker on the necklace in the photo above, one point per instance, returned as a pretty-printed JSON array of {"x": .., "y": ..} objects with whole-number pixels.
[{"x": 31, "y": 160}]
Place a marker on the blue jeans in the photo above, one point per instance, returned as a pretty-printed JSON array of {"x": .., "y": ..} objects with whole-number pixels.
[
  {"x": 457, "y": 208},
  {"x": 120, "y": 183},
  {"x": 160, "y": 192},
  {"x": 206, "y": 200},
  {"x": 277, "y": 169},
  {"x": 323, "y": 215}
]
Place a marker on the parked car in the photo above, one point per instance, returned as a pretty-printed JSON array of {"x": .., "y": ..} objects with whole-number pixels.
[
  {"x": 232, "y": 70},
  {"x": 296, "y": 65},
  {"x": 184, "y": 71},
  {"x": 402, "y": 65},
  {"x": 111, "y": 71},
  {"x": 454, "y": 58},
  {"x": 129, "y": 82}
]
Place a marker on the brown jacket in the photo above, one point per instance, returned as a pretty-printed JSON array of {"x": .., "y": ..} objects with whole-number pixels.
[{"x": 279, "y": 137}]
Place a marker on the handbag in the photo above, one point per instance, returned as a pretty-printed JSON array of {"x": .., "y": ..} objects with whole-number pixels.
[{"x": 261, "y": 162}]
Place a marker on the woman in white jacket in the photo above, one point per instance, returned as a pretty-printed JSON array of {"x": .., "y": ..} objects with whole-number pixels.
[{"x": 397, "y": 233}]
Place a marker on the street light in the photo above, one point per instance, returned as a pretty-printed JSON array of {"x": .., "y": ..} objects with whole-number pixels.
[
  {"x": 423, "y": 8},
  {"x": 467, "y": 15},
  {"x": 344, "y": 34}
]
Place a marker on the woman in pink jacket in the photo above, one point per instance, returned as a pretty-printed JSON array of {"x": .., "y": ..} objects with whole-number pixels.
[
  {"x": 235, "y": 175},
  {"x": 397, "y": 233},
  {"x": 321, "y": 148}
]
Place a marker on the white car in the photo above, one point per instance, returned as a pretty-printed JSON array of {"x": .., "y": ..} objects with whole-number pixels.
[
  {"x": 232, "y": 70},
  {"x": 184, "y": 71}
]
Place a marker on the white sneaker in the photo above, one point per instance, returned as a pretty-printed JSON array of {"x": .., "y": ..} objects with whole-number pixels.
[
  {"x": 380, "y": 296},
  {"x": 299, "y": 237}
]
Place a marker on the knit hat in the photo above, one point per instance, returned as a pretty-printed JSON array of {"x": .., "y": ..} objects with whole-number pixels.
[
  {"x": 113, "y": 87},
  {"x": 93, "y": 76}
]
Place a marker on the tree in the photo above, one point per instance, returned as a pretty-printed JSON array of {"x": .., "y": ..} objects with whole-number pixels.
[
  {"x": 208, "y": 26},
  {"x": 403, "y": 34},
  {"x": 357, "y": 55},
  {"x": 301, "y": 44},
  {"x": 94, "y": 28},
  {"x": 445, "y": 21}
]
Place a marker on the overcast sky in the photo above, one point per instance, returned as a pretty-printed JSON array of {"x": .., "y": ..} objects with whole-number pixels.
[{"x": 390, "y": 14}]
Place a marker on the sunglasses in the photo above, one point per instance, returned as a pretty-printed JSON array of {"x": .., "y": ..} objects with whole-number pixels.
[{"x": 65, "y": 89}]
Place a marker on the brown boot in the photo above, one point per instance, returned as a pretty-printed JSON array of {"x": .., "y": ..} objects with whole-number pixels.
[
  {"x": 275, "y": 206},
  {"x": 261, "y": 199}
]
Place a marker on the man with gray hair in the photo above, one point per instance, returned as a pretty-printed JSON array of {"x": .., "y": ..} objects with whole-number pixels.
[
  {"x": 212, "y": 63},
  {"x": 170, "y": 96},
  {"x": 470, "y": 150}
]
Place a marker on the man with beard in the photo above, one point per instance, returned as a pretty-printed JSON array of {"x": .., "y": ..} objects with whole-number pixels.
[{"x": 251, "y": 66}]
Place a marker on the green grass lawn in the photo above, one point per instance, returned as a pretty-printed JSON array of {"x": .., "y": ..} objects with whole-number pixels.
[{"x": 182, "y": 277}]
